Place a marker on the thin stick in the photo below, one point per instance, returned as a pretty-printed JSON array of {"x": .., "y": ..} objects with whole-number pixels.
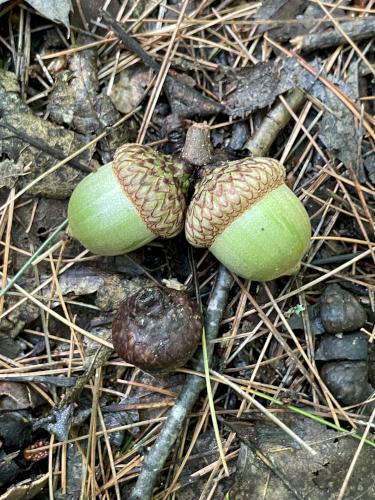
[{"x": 273, "y": 123}]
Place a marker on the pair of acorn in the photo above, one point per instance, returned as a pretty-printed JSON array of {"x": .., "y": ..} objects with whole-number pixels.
[{"x": 242, "y": 211}]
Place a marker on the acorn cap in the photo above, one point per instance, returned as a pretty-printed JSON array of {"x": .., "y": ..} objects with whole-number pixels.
[
  {"x": 226, "y": 193},
  {"x": 155, "y": 185},
  {"x": 157, "y": 329}
]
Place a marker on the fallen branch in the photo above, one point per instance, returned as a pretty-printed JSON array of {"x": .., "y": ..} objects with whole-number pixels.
[{"x": 260, "y": 143}]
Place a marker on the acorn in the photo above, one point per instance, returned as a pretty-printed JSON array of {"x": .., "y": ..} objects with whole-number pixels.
[
  {"x": 249, "y": 219},
  {"x": 157, "y": 329},
  {"x": 128, "y": 202}
]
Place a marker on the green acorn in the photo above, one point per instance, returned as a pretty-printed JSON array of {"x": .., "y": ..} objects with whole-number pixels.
[
  {"x": 129, "y": 202},
  {"x": 249, "y": 219}
]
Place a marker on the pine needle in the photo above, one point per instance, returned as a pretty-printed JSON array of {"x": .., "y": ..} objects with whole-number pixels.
[
  {"x": 295, "y": 409},
  {"x": 212, "y": 405}
]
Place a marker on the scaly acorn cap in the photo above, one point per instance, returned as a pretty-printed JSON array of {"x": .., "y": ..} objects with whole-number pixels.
[
  {"x": 225, "y": 193},
  {"x": 155, "y": 184},
  {"x": 249, "y": 219},
  {"x": 129, "y": 202}
]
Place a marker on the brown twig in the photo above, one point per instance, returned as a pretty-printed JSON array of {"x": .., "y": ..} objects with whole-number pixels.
[{"x": 273, "y": 123}]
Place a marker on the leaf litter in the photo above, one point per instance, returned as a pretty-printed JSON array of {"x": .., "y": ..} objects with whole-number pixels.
[{"x": 61, "y": 92}]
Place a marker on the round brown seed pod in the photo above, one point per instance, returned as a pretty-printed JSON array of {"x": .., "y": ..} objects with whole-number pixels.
[{"x": 157, "y": 329}]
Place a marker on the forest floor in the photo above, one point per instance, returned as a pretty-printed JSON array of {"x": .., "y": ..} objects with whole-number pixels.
[{"x": 278, "y": 400}]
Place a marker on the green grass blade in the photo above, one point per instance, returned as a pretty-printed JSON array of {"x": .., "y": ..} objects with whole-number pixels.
[{"x": 29, "y": 261}]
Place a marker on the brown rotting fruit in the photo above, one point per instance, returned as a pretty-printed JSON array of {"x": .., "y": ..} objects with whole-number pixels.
[{"x": 157, "y": 329}]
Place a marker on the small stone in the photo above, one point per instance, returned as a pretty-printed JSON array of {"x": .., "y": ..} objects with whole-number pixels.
[
  {"x": 353, "y": 346},
  {"x": 240, "y": 133},
  {"x": 340, "y": 311},
  {"x": 347, "y": 380}
]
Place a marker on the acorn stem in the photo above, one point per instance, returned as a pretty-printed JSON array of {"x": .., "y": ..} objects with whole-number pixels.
[{"x": 198, "y": 149}]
